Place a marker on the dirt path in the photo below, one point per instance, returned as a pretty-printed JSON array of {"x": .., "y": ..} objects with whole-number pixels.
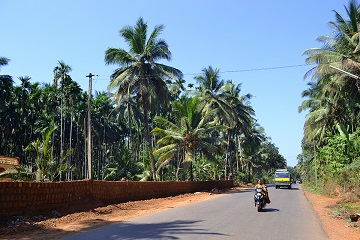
[{"x": 62, "y": 225}]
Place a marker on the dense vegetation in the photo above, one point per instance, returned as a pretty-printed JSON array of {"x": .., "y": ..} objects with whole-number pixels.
[
  {"x": 331, "y": 143},
  {"x": 149, "y": 126}
]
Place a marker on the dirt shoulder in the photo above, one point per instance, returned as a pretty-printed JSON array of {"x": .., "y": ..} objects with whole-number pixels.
[
  {"x": 60, "y": 224},
  {"x": 336, "y": 225}
]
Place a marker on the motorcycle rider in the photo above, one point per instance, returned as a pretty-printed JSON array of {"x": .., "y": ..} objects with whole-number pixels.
[{"x": 261, "y": 184}]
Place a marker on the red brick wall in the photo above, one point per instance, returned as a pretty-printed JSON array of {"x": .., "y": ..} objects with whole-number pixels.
[{"x": 17, "y": 195}]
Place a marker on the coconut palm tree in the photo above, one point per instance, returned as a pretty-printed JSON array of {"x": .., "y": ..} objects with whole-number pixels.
[
  {"x": 333, "y": 96},
  {"x": 61, "y": 72},
  {"x": 209, "y": 90},
  {"x": 230, "y": 109},
  {"x": 190, "y": 131},
  {"x": 341, "y": 49},
  {"x": 250, "y": 148},
  {"x": 141, "y": 74},
  {"x": 238, "y": 126}
]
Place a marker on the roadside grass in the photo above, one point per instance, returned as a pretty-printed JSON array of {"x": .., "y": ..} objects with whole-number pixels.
[
  {"x": 312, "y": 188},
  {"x": 350, "y": 208},
  {"x": 343, "y": 210}
]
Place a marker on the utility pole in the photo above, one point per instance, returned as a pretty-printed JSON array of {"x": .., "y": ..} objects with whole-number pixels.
[{"x": 89, "y": 127}]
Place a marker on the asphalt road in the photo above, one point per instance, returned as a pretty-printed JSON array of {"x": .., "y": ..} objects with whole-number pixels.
[{"x": 233, "y": 216}]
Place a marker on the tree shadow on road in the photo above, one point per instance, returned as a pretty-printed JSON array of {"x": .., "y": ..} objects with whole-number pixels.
[{"x": 160, "y": 230}]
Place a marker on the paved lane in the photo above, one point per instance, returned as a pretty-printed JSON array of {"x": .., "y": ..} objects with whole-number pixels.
[{"x": 233, "y": 216}]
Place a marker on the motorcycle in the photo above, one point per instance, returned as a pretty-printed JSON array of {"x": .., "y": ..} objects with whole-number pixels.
[{"x": 259, "y": 199}]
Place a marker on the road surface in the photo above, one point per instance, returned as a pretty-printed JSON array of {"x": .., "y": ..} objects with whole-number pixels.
[{"x": 232, "y": 216}]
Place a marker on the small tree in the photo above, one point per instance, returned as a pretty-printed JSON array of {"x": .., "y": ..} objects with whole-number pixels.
[{"x": 48, "y": 168}]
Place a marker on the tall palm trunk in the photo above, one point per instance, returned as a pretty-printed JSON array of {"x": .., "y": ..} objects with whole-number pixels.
[
  {"x": 177, "y": 166},
  {"x": 130, "y": 125},
  {"x": 61, "y": 127},
  {"x": 70, "y": 142},
  {"x": 227, "y": 155},
  {"x": 63, "y": 145},
  {"x": 148, "y": 137},
  {"x": 61, "y": 134},
  {"x": 237, "y": 152}
]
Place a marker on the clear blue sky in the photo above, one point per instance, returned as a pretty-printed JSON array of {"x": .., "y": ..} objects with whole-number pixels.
[{"x": 239, "y": 37}]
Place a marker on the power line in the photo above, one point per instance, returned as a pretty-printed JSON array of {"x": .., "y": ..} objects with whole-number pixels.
[
  {"x": 238, "y": 71},
  {"x": 257, "y": 69}
]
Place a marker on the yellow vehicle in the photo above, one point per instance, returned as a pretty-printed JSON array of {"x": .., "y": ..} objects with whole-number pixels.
[{"x": 282, "y": 178}]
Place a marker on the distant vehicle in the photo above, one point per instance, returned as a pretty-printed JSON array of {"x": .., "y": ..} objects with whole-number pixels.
[
  {"x": 282, "y": 178},
  {"x": 298, "y": 182}
]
